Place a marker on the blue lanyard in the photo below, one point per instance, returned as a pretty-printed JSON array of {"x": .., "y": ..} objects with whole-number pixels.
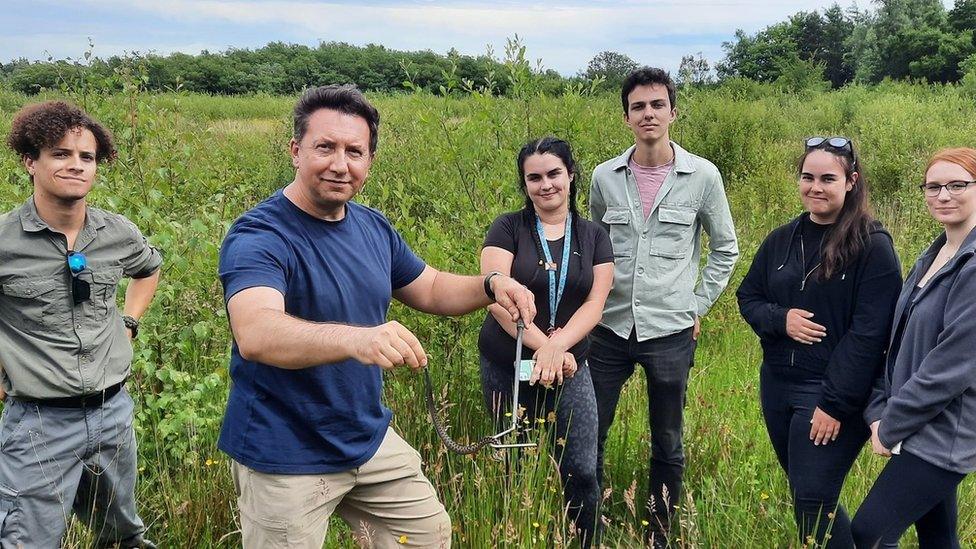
[{"x": 555, "y": 295}]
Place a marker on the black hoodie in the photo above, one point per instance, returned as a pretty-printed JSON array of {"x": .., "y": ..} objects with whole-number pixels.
[{"x": 855, "y": 306}]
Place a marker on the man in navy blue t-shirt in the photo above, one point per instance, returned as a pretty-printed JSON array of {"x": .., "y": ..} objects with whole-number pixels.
[{"x": 308, "y": 276}]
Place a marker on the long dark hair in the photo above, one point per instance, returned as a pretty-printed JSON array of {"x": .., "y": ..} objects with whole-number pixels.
[
  {"x": 560, "y": 149},
  {"x": 556, "y": 147},
  {"x": 849, "y": 234}
]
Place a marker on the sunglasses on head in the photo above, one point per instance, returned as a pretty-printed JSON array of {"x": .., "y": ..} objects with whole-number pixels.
[
  {"x": 838, "y": 142},
  {"x": 80, "y": 288}
]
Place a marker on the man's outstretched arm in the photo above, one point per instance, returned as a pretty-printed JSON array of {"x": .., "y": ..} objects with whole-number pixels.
[
  {"x": 265, "y": 333},
  {"x": 442, "y": 293}
]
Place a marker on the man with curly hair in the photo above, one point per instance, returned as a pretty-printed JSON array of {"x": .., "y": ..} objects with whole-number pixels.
[{"x": 66, "y": 437}]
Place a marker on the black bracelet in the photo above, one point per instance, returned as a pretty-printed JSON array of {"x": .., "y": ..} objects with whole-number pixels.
[
  {"x": 488, "y": 291},
  {"x": 131, "y": 324}
]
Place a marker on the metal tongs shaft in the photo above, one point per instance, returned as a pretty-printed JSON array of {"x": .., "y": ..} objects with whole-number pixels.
[{"x": 520, "y": 328}]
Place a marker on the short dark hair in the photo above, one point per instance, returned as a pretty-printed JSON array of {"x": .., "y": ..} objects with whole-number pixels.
[
  {"x": 346, "y": 99},
  {"x": 646, "y": 76},
  {"x": 556, "y": 147},
  {"x": 42, "y": 125}
]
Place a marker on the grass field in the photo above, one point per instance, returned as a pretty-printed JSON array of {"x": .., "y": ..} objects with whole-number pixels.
[{"x": 190, "y": 164}]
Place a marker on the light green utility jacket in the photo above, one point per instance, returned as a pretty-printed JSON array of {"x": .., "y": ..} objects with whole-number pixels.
[{"x": 656, "y": 285}]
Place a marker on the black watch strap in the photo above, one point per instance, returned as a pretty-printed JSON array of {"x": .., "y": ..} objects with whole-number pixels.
[
  {"x": 131, "y": 324},
  {"x": 488, "y": 291}
]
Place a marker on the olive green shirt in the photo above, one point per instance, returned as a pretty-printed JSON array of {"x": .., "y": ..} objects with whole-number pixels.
[
  {"x": 50, "y": 347},
  {"x": 658, "y": 286}
]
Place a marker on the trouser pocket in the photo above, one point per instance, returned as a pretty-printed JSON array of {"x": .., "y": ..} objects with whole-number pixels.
[
  {"x": 13, "y": 413},
  {"x": 8, "y": 503}
]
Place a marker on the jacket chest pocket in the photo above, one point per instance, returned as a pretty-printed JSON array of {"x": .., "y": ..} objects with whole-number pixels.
[
  {"x": 36, "y": 303},
  {"x": 674, "y": 233},
  {"x": 105, "y": 283},
  {"x": 621, "y": 232}
]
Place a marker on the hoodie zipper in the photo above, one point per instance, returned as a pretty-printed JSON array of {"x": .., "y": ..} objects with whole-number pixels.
[
  {"x": 803, "y": 264},
  {"x": 803, "y": 282}
]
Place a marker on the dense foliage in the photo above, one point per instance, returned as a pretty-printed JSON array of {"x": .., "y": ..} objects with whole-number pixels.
[
  {"x": 189, "y": 164},
  {"x": 277, "y": 68},
  {"x": 917, "y": 39}
]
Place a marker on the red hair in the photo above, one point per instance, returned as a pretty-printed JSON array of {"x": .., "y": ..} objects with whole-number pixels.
[{"x": 965, "y": 157}]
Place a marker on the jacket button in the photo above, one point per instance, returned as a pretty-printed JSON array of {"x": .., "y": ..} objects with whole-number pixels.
[{"x": 640, "y": 270}]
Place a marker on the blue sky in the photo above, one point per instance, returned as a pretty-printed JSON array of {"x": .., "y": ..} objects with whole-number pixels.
[{"x": 565, "y": 34}]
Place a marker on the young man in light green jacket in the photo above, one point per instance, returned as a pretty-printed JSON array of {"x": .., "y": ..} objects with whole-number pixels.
[{"x": 654, "y": 200}]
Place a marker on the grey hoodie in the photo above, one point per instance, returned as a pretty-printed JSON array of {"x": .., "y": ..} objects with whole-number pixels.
[{"x": 926, "y": 398}]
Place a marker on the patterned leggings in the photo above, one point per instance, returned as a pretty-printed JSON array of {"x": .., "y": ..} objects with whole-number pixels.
[{"x": 574, "y": 403}]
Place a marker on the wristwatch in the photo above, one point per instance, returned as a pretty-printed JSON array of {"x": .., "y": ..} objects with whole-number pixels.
[
  {"x": 131, "y": 324},
  {"x": 488, "y": 291}
]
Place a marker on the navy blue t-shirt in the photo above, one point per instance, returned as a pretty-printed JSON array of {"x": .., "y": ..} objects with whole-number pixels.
[{"x": 327, "y": 418}]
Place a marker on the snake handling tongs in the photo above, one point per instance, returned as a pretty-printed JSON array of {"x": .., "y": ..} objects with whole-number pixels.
[{"x": 495, "y": 441}]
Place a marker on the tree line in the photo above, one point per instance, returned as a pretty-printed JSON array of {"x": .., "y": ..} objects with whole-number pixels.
[
  {"x": 901, "y": 39},
  {"x": 277, "y": 68}
]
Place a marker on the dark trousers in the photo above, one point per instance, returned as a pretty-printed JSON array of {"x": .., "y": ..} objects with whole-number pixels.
[
  {"x": 575, "y": 410},
  {"x": 816, "y": 473},
  {"x": 909, "y": 490},
  {"x": 666, "y": 362}
]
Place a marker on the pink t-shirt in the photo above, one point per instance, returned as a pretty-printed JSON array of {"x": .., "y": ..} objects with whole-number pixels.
[{"x": 649, "y": 181}]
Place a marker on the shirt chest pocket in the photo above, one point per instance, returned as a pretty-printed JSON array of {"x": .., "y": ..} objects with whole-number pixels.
[
  {"x": 36, "y": 303},
  {"x": 621, "y": 233},
  {"x": 675, "y": 231},
  {"x": 105, "y": 283}
]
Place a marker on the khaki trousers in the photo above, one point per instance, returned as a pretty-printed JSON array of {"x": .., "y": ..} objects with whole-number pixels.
[{"x": 387, "y": 501}]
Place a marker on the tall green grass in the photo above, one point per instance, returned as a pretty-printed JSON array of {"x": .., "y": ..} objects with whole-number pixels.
[{"x": 190, "y": 164}]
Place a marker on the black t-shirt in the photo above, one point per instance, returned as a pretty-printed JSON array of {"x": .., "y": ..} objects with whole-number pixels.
[
  {"x": 514, "y": 232},
  {"x": 812, "y": 234}
]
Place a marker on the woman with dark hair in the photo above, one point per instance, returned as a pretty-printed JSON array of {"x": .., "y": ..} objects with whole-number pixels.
[
  {"x": 820, "y": 294},
  {"x": 567, "y": 262},
  {"x": 923, "y": 408}
]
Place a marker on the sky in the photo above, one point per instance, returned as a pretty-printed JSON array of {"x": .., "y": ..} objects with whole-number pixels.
[{"x": 564, "y": 34}]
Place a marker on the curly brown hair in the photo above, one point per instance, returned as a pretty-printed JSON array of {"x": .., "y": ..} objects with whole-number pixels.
[{"x": 42, "y": 125}]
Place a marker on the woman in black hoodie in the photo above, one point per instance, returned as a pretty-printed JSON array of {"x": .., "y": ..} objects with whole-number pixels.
[{"x": 820, "y": 294}]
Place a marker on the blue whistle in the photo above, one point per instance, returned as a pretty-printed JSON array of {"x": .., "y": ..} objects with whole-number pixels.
[{"x": 77, "y": 262}]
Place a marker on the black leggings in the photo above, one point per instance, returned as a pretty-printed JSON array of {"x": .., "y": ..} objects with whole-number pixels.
[
  {"x": 816, "y": 473},
  {"x": 909, "y": 490},
  {"x": 575, "y": 406}
]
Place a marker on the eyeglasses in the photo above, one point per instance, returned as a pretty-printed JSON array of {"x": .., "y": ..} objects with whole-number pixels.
[
  {"x": 80, "y": 288},
  {"x": 933, "y": 190},
  {"x": 837, "y": 142}
]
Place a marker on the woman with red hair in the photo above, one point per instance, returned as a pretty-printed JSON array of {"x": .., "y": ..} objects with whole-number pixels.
[{"x": 923, "y": 410}]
